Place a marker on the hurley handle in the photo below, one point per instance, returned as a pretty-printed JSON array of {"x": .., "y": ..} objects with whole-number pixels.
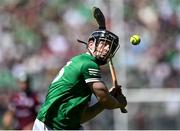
[{"x": 114, "y": 80}]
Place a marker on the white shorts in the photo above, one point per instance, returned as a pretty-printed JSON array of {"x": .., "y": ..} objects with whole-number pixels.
[{"x": 39, "y": 125}]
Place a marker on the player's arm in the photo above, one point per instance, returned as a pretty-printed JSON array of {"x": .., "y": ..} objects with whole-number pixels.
[
  {"x": 103, "y": 96},
  {"x": 105, "y": 101},
  {"x": 8, "y": 116},
  {"x": 92, "y": 75},
  {"x": 8, "y": 119}
]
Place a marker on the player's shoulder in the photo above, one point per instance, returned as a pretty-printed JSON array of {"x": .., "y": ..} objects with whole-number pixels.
[{"x": 86, "y": 60}]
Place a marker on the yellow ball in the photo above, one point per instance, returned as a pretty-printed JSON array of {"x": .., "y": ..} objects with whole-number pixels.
[{"x": 135, "y": 39}]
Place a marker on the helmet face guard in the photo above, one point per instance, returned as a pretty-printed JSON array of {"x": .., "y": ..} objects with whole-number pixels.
[{"x": 104, "y": 38}]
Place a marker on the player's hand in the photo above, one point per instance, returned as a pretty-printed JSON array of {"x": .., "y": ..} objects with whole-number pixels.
[
  {"x": 115, "y": 90},
  {"x": 117, "y": 93},
  {"x": 122, "y": 100}
]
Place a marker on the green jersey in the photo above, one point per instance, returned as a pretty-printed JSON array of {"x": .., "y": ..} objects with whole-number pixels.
[{"x": 68, "y": 93}]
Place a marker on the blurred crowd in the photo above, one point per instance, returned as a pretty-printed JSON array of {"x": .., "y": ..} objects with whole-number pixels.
[
  {"x": 39, "y": 37},
  {"x": 155, "y": 63}
]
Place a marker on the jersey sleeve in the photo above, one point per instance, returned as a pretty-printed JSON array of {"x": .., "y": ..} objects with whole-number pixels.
[{"x": 91, "y": 72}]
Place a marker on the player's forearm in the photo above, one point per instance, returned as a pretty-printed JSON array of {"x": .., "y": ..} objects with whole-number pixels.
[
  {"x": 104, "y": 97},
  {"x": 109, "y": 102},
  {"x": 91, "y": 112}
]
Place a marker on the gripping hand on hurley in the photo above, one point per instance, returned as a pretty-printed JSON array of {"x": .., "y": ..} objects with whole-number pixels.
[{"x": 117, "y": 93}]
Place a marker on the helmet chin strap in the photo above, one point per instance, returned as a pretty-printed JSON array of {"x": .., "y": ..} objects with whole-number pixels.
[{"x": 91, "y": 51}]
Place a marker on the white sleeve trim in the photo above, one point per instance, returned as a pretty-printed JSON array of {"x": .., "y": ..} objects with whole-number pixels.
[{"x": 92, "y": 80}]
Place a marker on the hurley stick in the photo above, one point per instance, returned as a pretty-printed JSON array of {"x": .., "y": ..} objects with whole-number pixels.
[{"x": 114, "y": 80}]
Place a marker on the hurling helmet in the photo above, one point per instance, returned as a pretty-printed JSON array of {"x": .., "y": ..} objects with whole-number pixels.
[{"x": 105, "y": 35}]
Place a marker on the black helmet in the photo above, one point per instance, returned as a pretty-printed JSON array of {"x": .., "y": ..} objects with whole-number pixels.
[{"x": 105, "y": 35}]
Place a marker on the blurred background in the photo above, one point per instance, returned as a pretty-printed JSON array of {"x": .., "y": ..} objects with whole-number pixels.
[{"x": 39, "y": 36}]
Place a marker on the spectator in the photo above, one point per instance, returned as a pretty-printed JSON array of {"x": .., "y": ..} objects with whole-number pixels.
[{"x": 22, "y": 107}]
